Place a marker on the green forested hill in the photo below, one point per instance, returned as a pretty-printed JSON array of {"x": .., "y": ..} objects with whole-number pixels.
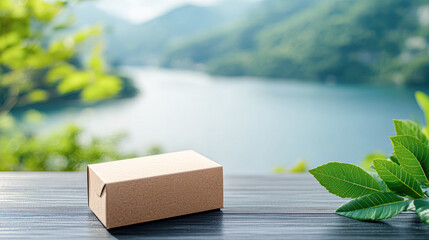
[
  {"x": 127, "y": 43},
  {"x": 335, "y": 40},
  {"x": 147, "y": 41}
]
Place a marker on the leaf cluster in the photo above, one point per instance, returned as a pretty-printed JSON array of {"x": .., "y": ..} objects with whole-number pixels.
[
  {"x": 400, "y": 183},
  {"x": 36, "y": 67},
  {"x": 37, "y": 64},
  {"x": 66, "y": 149}
]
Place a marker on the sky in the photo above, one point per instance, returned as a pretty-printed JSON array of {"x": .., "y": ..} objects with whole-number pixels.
[{"x": 138, "y": 11}]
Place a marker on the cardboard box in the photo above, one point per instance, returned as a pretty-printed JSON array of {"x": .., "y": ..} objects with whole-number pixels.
[{"x": 149, "y": 188}]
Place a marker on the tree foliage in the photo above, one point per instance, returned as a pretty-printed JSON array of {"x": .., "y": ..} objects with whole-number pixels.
[
  {"x": 379, "y": 41},
  {"x": 64, "y": 150},
  {"x": 36, "y": 67}
]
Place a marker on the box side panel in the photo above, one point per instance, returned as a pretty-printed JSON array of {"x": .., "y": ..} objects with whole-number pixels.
[
  {"x": 96, "y": 203},
  {"x": 164, "y": 196}
]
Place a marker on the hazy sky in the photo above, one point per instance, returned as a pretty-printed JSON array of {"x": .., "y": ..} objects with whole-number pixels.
[{"x": 139, "y": 11}]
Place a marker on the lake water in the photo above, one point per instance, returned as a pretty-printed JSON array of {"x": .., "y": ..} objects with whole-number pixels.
[{"x": 248, "y": 125}]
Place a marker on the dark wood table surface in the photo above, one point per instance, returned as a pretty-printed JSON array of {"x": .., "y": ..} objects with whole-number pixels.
[{"x": 54, "y": 205}]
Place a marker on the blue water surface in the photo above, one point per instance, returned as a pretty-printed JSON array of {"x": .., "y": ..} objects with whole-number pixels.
[{"x": 249, "y": 125}]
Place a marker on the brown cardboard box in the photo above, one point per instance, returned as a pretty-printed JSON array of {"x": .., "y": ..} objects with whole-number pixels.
[{"x": 150, "y": 188}]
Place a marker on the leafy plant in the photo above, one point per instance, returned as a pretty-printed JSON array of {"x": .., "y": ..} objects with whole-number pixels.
[
  {"x": 38, "y": 65},
  {"x": 300, "y": 167},
  {"x": 366, "y": 163},
  {"x": 400, "y": 182},
  {"x": 64, "y": 150}
]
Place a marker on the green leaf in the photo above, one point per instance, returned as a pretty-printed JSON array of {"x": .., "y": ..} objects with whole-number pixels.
[
  {"x": 300, "y": 167},
  {"x": 410, "y": 128},
  {"x": 87, "y": 32},
  {"x": 6, "y": 6},
  {"x": 61, "y": 50},
  {"x": 59, "y": 72},
  {"x": 279, "y": 169},
  {"x": 397, "y": 179},
  {"x": 377, "y": 206},
  {"x": 345, "y": 180},
  {"x": 367, "y": 161},
  {"x": 37, "y": 95},
  {"x": 413, "y": 156},
  {"x": 411, "y": 206},
  {"x": 74, "y": 81},
  {"x": 44, "y": 11},
  {"x": 382, "y": 184},
  {"x": 14, "y": 57},
  {"x": 96, "y": 62},
  {"x": 33, "y": 116},
  {"x": 394, "y": 159},
  {"x": 423, "y": 101},
  {"x": 9, "y": 39},
  {"x": 104, "y": 87},
  {"x": 6, "y": 121},
  {"x": 422, "y": 209}
]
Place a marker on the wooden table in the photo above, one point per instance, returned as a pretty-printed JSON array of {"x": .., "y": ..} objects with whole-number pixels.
[{"x": 54, "y": 205}]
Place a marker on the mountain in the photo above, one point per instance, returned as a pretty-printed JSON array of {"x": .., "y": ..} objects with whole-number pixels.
[
  {"x": 128, "y": 43},
  {"x": 150, "y": 39},
  {"x": 86, "y": 14},
  {"x": 379, "y": 41}
]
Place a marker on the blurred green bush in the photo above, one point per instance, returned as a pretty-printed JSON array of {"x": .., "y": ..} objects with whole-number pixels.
[
  {"x": 64, "y": 150},
  {"x": 37, "y": 67},
  {"x": 300, "y": 166}
]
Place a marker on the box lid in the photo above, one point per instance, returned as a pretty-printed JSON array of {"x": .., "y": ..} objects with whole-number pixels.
[{"x": 150, "y": 166}]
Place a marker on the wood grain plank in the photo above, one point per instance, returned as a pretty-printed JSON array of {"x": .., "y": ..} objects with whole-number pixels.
[{"x": 54, "y": 205}]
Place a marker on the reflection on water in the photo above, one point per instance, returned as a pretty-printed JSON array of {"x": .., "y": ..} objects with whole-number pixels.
[{"x": 246, "y": 124}]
